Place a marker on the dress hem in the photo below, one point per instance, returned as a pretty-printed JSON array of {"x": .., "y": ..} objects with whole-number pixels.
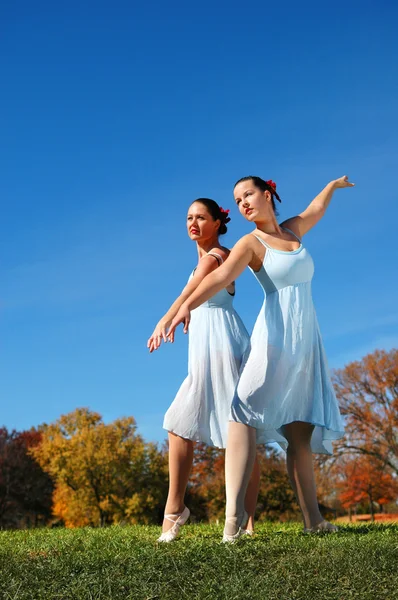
[
  {"x": 196, "y": 438},
  {"x": 276, "y": 436}
]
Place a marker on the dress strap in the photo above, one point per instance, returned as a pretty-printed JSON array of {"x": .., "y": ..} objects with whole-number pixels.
[
  {"x": 292, "y": 232},
  {"x": 262, "y": 242},
  {"x": 217, "y": 256}
]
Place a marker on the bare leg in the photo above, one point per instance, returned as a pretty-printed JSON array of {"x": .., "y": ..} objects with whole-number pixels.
[
  {"x": 239, "y": 460},
  {"x": 252, "y": 494},
  {"x": 301, "y": 471},
  {"x": 180, "y": 465}
]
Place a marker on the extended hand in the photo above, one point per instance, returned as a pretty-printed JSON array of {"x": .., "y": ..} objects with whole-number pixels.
[
  {"x": 183, "y": 316},
  {"x": 343, "y": 182},
  {"x": 158, "y": 335}
]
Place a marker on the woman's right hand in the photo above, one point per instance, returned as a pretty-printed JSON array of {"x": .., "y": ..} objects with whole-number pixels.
[
  {"x": 158, "y": 335},
  {"x": 183, "y": 316},
  {"x": 342, "y": 182}
]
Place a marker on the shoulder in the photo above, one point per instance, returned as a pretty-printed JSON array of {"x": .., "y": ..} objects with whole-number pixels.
[
  {"x": 245, "y": 246},
  {"x": 217, "y": 256},
  {"x": 293, "y": 224},
  {"x": 247, "y": 241},
  {"x": 222, "y": 252}
]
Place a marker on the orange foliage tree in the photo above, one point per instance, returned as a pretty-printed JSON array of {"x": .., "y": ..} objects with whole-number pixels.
[
  {"x": 368, "y": 394},
  {"x": 103, "y": 473},
  {"x": 364, "y": 480},
  {"x": 206, "y": 488},
  {"x": 276, "y": 499},
  {"x": 206, "y": 491}
]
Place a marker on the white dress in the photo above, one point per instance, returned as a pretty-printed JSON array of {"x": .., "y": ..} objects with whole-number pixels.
[
  {"x": 285, "y": 377},
  {"x": 217, "y": 342}
]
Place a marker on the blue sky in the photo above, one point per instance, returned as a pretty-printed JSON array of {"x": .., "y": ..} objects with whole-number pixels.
[{"x": 115, "y": 116}]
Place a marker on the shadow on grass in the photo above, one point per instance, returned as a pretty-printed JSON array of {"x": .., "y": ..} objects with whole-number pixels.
[
  {"x": 346, "y": 529},
  {"x": 368, "y": 528}
]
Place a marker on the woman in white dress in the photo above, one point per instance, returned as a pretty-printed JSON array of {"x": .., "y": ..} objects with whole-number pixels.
[
  {"x": 218, "y": 341},
  {"x": 284, "y": 392}
]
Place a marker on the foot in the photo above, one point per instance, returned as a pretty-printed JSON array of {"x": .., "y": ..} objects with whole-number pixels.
[
  {"x": 234, "y": 524},
  {"x": 322, "y": 527},
  {"x": 248, "y": 532},
  {"x": 177, "y": 520}
]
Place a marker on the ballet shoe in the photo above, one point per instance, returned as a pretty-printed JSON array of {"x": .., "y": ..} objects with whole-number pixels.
[
  {"x": 232, "y": 538},
  {"x": 248, "y": 532},
  {"x": 172, "y": 533},
  {"x": 322, "y": 527}
]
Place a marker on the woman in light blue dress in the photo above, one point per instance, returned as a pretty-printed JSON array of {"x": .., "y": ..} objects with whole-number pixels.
[
  {"x": 218, "y": 341},
  {"x": 284, "y": 392}
]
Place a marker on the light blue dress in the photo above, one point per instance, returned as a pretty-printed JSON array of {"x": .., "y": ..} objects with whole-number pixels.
[
  {"x": 285, "y": 376},
  {"x": 218, "y": 340}
]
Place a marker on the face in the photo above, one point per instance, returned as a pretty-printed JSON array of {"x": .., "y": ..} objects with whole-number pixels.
[
  {"x": 200, "y": 223},
  {"x": 253, "y": 203}
]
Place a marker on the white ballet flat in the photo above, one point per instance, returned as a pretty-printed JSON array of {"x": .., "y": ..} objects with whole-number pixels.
[
  {"x": 231, "y": 539},
  {"x": 248, "y": 532},
  {"x": 322, "y": 527},
  {"x": 172, "y": 533}
]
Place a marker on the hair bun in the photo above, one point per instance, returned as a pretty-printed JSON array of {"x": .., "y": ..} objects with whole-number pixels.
[{"x": 224, "y": 215}]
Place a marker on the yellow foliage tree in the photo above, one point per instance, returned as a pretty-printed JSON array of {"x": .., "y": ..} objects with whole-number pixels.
[{"x": 103, "y": 473}]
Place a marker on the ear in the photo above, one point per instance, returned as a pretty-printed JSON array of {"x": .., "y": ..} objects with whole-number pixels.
[{"x": 268, "y": 196}]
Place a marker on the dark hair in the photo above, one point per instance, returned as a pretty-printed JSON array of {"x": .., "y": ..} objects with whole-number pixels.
[
  {"x": 264, "y": 186},
  {"x": 216, "y": 212}
]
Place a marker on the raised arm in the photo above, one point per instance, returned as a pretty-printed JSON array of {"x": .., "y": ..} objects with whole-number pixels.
[
  {"x": 240, "y": 257},
  {"x": 316, "y": 209},
  {"x": 206, "y": 265}
]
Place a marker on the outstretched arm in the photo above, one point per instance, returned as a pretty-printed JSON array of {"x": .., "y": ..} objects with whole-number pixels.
[
  {"x": 240, "y": 257},
  {"x": 206, "y": 265},
  {"x": 316, "y": 209}
]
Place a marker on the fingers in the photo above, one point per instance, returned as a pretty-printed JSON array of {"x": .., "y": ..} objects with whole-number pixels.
[
  {"x": 172, "y": 328},
  {"x": 186, "y": 323},
  {"x": 344, "y": 182},
  {"x": 170, "y": 332},
  {"x": 154, "y": 342},
  {"x": 153, "y": 347},
  {"x": 347, "y": 182}
]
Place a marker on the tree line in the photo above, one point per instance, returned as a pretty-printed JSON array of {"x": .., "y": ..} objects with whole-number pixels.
[{"x": 81, "y": 471}]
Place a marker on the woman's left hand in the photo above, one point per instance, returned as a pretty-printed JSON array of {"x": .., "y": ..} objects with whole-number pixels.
[
  {"x": 158, "y": 335},
  {"x": 343, "y": 182},
  {"x": 183, "y": 316}
]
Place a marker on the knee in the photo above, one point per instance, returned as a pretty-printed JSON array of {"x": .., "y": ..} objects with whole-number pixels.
[{"x": 298, "y": 446}]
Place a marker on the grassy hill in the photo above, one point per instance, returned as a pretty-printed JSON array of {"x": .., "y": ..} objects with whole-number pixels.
[{"x": 279, "y": 563}]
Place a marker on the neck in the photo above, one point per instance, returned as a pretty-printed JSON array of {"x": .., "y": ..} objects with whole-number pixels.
[
  {"x": 270, "y": 226},
  {"x": 206, "y": 245}
]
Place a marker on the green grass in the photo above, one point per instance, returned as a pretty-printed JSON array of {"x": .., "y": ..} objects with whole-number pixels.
[{"x": 280, "y": 563}]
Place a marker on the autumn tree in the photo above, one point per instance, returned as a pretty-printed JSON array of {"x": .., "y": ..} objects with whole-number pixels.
[
  {"x": 25, "y": 489},
  {"x": 276, "y": 499},
  {"x": 103, "y": 473},
  {"x": 368, "y": 394},
  {"x": 206, "y": 487},
  {"x": 363, "y": 479},
  {"x": 206, "y": 490}
]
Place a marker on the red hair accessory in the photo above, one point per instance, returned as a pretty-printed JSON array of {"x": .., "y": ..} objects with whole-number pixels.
[
  {"x": 271, "y": 184},
  {"x": 224, "y": 214}
]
